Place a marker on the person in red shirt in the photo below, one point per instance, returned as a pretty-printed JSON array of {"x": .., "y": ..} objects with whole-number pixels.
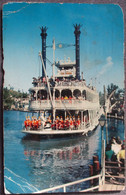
[
  {"x": 26, "y": 123},
  {"x": 71, "y": 123},
  {"x": 61, "y": 123},
  {"x": 57, "y": 122},
  {"x": 78, "y": 121},
  {"x": 29, "y": 122},
  {"x": 35, "y": 123},
  {"x": 39, "y": 122}
]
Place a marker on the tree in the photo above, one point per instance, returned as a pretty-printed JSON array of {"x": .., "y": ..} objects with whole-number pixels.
[
  {"x": 7, "y": 99},
  {"x": 9, "y": 96},
  {"x": 111, "y": 88}
]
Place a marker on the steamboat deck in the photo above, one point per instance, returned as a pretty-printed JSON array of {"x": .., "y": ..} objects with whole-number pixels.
[{"x": 60, "y": 132}]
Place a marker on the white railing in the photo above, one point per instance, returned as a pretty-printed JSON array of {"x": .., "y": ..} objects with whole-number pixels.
[
  {"x": 64, "y": 186},
  {"x": 61, "y": 104}
]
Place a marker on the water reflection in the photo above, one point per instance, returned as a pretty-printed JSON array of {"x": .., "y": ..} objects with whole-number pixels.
[{"x": 58, "y": 161}]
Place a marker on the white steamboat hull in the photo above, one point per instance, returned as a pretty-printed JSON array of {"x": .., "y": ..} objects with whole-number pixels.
[{"x": 49, "y": 131}]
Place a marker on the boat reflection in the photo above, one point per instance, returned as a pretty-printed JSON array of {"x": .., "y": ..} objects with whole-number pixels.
[
  {"x": 65, "y": 154},
  {"x": 54, "y": 162}
]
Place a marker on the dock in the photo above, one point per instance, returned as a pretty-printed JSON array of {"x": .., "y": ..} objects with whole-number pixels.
[{"x": 111, "y": 187}]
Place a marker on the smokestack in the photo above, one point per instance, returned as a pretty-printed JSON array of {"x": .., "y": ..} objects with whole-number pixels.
[
  {"x": 77, "y": 40},
  {"x": 43, "y": 35}
]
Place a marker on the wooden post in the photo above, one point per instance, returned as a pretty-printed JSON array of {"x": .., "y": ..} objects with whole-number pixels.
[
  {"x": 91, "y": 173},
  {"x": 96, "y": 168},
  {"x": 103, "y": 161}
]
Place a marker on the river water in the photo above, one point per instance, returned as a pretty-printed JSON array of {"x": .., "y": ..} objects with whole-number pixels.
[{"x": 32, "y": 164}]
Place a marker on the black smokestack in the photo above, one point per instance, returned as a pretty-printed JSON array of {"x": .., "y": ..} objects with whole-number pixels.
[
  {"x": 77, "y": 40},
  {"x": 43, "y": 35}
]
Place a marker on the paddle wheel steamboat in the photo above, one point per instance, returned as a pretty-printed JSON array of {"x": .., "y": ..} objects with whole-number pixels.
[{"x": 64, "y": 103}]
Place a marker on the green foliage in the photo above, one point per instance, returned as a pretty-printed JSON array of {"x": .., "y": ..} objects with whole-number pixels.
[
  {"x": 101, "y": 99},
  {"x": 111, "y": 88},
  {"x": 9, "y": 95}
]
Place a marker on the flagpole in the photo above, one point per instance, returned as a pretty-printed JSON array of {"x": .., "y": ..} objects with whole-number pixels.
[
  {"x": 54, "y": 79},
  {"x": 54, "y": 59}
]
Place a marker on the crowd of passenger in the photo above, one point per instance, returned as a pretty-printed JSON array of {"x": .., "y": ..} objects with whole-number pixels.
[
  {"x": 58, "y": 124},
  {"x": 67, "y": 123},
  {"x": 66, "y": 97},
  {"x": 58, "y": 82},
  {"x": 115, "y": 152}
]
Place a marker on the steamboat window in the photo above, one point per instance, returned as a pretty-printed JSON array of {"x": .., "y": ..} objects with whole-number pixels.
[
  {"x": 42, "y": 94},
  {"x": 84, "y": 94},
  {"x": 77, "y": 93},
  {"x": 33, "y": 94},
  {"x": 66, "y": 93}
]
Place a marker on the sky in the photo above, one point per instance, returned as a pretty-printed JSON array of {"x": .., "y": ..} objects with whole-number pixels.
[{"x": 101, "y": 41}]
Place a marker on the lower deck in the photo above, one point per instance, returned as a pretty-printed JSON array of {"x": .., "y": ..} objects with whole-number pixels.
[{"x": 50, "y": 131}]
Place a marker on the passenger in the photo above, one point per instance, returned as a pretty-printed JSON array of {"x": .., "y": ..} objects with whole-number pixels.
[
  {"x": 29, "y": 122},
  {"x": 35, "y": 123},
  {"x": 66, "y": 126},
  {"x": 115, "y": 147},
  {"x": 26, "y": 123},
  {"x": 71, "y": 123},
  {"x": 50, "y": 121},
  {"x": 74, "y": 123},
  {"x": 109, "y": 153},
  {"x": 121, "y": 156},
  {"x": 32, "y": 122},
  {"x": 113, "y": 140},
  {"x": 61, "y": 123},
  {"x": 53, "y": 125},
  {"x": 78, "y": 121},
  {"x": 65, "y": 98},
  {"x": 61, "y": 119},
  {"x": 44, "y": 79},
  {"x": 118, "y": 140},
  {"x": 67, "y": 118},
  {"x": 39, "y": 122},
  {"x": 57, "y": 122}
]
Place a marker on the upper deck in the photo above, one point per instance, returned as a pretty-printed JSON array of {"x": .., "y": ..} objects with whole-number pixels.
[{"x": 72, "y": 94}]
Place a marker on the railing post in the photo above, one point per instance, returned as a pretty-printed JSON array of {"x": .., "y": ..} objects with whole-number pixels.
[
  {"x": 115, "y": 115},
  {"x": 64, "y": 189}
]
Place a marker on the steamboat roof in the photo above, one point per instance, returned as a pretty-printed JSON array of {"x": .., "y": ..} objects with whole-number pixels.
[{"x": 65, "y": 63}]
